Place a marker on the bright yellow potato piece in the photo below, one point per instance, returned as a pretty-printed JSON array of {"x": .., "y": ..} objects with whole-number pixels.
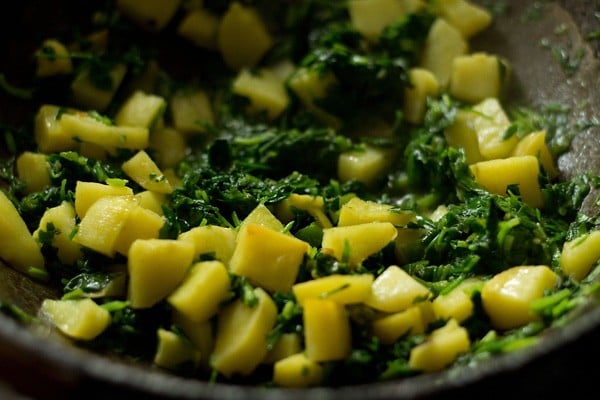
[
  {"x": 261, "y": 215},
  {"x": 151, "y": 201},
  {"x": 87, "y": 95},
  {"x": 327, "y": 335},
  {"x": 87, "y": 193},
  {"x": 490, "y": 122},
  {"x": 156, "y": 267},
  {"x": 507, "y": 296},
  {"x": 241, "y": 341},
  {"x": 49, "y": 133},
  {"x": 496, "y": 175},
  {"x": 457, "y": 304},
  {"x": 395, "y": 290},
  {"x": 534, "y": 144},
  {"x": 314, "y": 205},
  {"x": 99, "y": 229},
  {"x": 200, "y": 27},
  {"x": 62, "y": 217},
  {"x": 168, "y": 147},
  {"x": 461, "y": 134},
  {"x": 200, "y": 334},
  {"x": 173, "y": 350},
  {"x": 152, "y": 15},
  {"x": 310, "y": 86},
  {"x": 371, "y": 17},
  {"x": 366, "y": 166},
  {"x": 444, "y": 42},
  {"x": 32, "y": 168},
  {"x": 343, "y": 289},
  {"x": 392, "y": 327},
  {"x": 358, "y": 242},
  {"x": 468, "y": 18},
  {"x": 141, "y": 223},
  {"x": 211, "y": 239},
  {"x": 202, "y": 291},
  {"x": 144, "y": 171},
  {"x": 288, "y": 344},
  {"x": 265, "y": 90},
  {"x": 242, "y": 37},
  {"x": 357, "y": 211},
  {"x": 478, "y": 76},
  {"x": 141, "y": 109},
  {"x": 60, "y": 64},
  {"x": 297, "y": 371},
  {"x": 79, "y": 319},
  {"x": 268, "y": 258},
  {"x": 579, "y": 255},
  {"x": 190, "y": 111},
  {"x": 424, "y": 84},
  {"x": 441, "y": 349}
]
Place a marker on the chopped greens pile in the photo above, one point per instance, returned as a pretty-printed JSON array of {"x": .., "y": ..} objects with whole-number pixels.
[{"x": 237, "y": 160}]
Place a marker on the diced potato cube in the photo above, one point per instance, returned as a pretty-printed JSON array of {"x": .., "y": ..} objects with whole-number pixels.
[
  {"x": 268, "y": 258},
  {"x": 262, "y": 215},
  {"x": 241, "y": 341},
  {"x": 200, "y": 27},
  {"x": 190, "y": 111},
  {"x": 17, "y": 245},
  {"x": 88, "y": 95},
  {"x": 53, "y": 59},
  {"x": 156, "y": 267},
  {"x": 371, "y": 17},
  {"x": 214, "y": 240},
  {"x": 392, "y": 327},
  {"x": 579, "y": 255},
  {"x": 444, "y": 42},
  {"x": 297, "y": 371},
  {"x": 151, "y": 201},
  {"x": 152, "y": 15},
  {"x": 168, "y": 146},
  {"x": 62, "y": 217},
  {"x": 101, "y": 226},
  {"x": 534, "y": 144},
  {"x": 288, "y": 344},
  {"x": 354, "y": 243},
  {"x": 507, "y": 296},
  {"x": 141, "y": 223},
  {"x": 357, "y": 211},
  {"x": 424, "y": 84},
  {"x": 441, "y": 349},
  {"x": 87, "y": 193},
  {"x": 174, "y": 350},
  {"x": 497, "y": 175},
  {"x": 202, "y": 291},
  {"x": 457, "y": 304},
  {"x": 310, "y": 86},
  {"x": 242, "y": 38},
  {"x": 463, "y": 136},
  {"x": 343, "y": 289},
  {"x": 144, "y": 171},
  {"x": 314, "y": 205},
  {"x": 478, "y": 76},
  {"x": 490, "y": 122},
  {"x": 200, "y": 334},
  {"x": 79, "y": 319},
  {"x": 141, "y": 109},
  {"x": 32, "y": 168},
  {"x": 366, "y": 166},
  {"x": 468, "y": 18},
  {"x": 49, "y": 133},
  {"x": 327, "y": 335},
  {"x": 395, "y": 290},
  {"x": 265, "y": 90}
]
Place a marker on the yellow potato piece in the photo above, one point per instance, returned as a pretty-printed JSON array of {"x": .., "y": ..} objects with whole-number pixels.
[
  {"x": 265, "y": 90},
  {"x": 144, "y": 171},
  {"x": 579, "y": 255},
  {"x": 392, "y": 327},
  {"x": 60, "y": 64},
  {"x": 357, "y": 211},
  {"x": 297, "y": 371},
  {"x": 79, "y": 319},
  {"x": 462, "y": 135},
  {"x": 33, "y": 169},
  {"x": 214, "y": 240},
  {"x": 200, "y": 334},
  {"x": 200, "y": 27},
  {"x": 62, "y": 217},
  {"x": 141, "y": 223},
  {"x": 444, "y": 42},
  {"x": 87, "y": 95},
  {"x": 141, "y": 109},
  {"x": 424, "y": 84},
  {"x": 327, "y": 335},
  {"x": 478, "y": 76},
  {"x": 49, "y": 133},
  {"x": 395, "y": 290},
  {"x": 314, "y": 205},
  {"x": 467, "y": 17},
  {"x": 441, "y": 349},
  {"x": 490, "y": 122},
  {"x": 173, "y": 350},
  {"x": 343, "y": 289},
  {"x": 371, "y": 17},
  {"x": 262, "y": 215},
  {"x": 534, "y": 144},
  {"x": 366, "y": 166},
  {"x": 288, "y": 344},
  {"x": 457, "y": 304},
  {"x": 87, "y": 193}
]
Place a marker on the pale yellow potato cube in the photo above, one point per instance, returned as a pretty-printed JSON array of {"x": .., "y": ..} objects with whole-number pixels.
[
  {"x": 441, "y": 349},
  {"x": 200, "y": 334},
  {"x": 141, "y": 223},
  {"x": 169, "y": 147},
  {"x": 457, "y": 304},
  {"x": 78, "y": 319},
  {"x": 508, "y": 295},
  {"x": 579, "y": 255},
  {"x": 534, "y": 144},
  {"x": 49, "y": 133},
  {"x": 314, "y": 205},
  {"x": 62, "y": 217},
  {"x": 191, "y": 111},
  {"x": 200, "y": 27},
  {"x": 371, "y": 17},
  {"x": 18, "y": 247},
  {"x": 297, "y": 371},
  {"x": 262, "y": 215},
  {"x": 496, "y": 176},
  {"x": 392, "y": 327},
  {"x": 218, "y": 241},
  {"x": 327, "y": 335},
  {"x": 156, "y": 267},
  {"x": 144, "y": 171},
  {"x": 310, "y": 86},
  {"x": 59, "y": 63},
  {"x": 152, "y": 15},
  {"x": 91, "y": 97},
  {"x": 87, "y": 193},
  {"x": 357, "y": 211},
  {"x": 202, "y": 291},
  {"x": 242, "y": 38},
  {"x": 478, "y": 76},
  {"x": 366, "y": 166},
  {"x": 268, "y": 258},
  {"x": 265, "y": 90},
  {"x": 467, "y": 17},
  {"x": 241, "y": 338},
  {"x": 490, "y": 122},
  {"x": 101, "y": 226},
  {"x": 444, "y": 42},
  {"x": 141, "y": 109},
  {"x": 461, "y": 134},
  {"x": 288, "y": 344},
  {"x": 355, "y": 243},
  {"x": 395, "y": 290},
  {"x": 33, "y": 170},
  {"x": 174, "y": 350},
  {"x": 151, "y": 201},
  {"x": 423, "y": 85},
  {"x": 343, "y": 289}
]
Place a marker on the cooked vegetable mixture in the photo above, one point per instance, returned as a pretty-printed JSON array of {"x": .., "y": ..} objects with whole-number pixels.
[{"x": 340, "y": 193}]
